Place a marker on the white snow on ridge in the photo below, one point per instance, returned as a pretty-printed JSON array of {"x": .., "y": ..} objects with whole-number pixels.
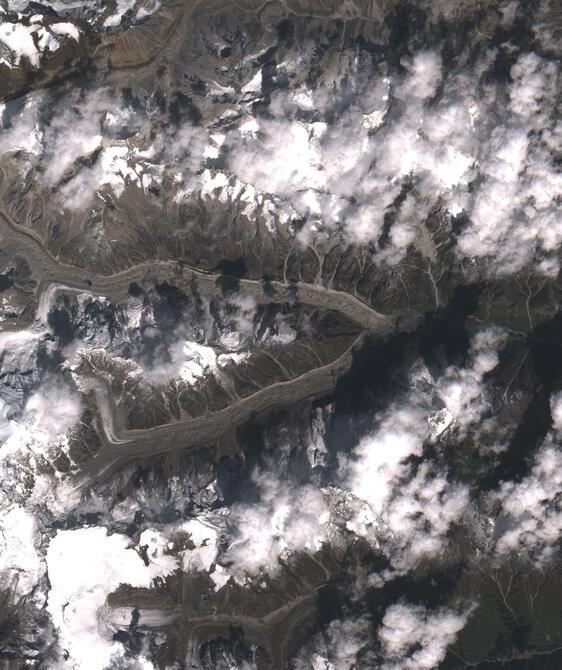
[
  {"x": 21, "y": 567},
  {"x": 198, "y": 557},
  {"x": 19, "y": 39},
  {"x": 156, "y": 543},
  {"x": 32, "y": 41},
  {"x": 138, "y": 9},
  {"x": 123, "y": 6},
  {"x": 204, "y": 537},
  {"x": 84, "y": 566},
  {"x": 228, "y": 188},
  {"x": 66, "y": 29}
]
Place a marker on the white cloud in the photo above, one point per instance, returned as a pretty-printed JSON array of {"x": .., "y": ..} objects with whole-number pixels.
[
  {"x": 414, "y": 638},
  {"x": 188, "y": 361},
  {"x": 296, "y": 150},
  {"x": 53, "y": 409},
  {"x": 418, "y": 509},
  {"x": 381, "y": 457},
  {"x": 424, "y": 75},
  {"x": 530, "y": 522},
  {"x": 556, "y": 411},
  {"x": 420, "y": 514},
  {"x": 337, "y": 648},
  {"x": 286, "y": 521},
  {"x": 25, "y": 133},
  {"x": 49, "y": 413},
  {"x": 74, "y": 133},
  {"x": 24, "y": 477},
  {"x": 338, "y": 174},
  {"x": 515, "y": 211},
  {"x": 533, "y": 89},
  {"x": 343, "y": 175},
  {"x": 31, "y": 437},
  {"x": 462, "y": 390},
  {"x": 416, "y": 505},
  {"x": 493, "y": 216},
  {"x": 320, "y": 167},
  {"x": 82, "y": 127}
]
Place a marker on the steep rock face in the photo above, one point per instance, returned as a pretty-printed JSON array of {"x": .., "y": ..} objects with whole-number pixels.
[{"x": 280, "y": 375}]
